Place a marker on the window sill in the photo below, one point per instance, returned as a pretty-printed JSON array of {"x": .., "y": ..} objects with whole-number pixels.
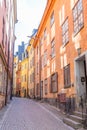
[
  {"x": 54, "y": 91},
  {"x": 78, "y": 31},
  {"x": 53, "y": 56},
  {"x": 65, "y": 44},
  {"x": 67, "y": 86},
  {"x": 45, "y": 65},
  {"x": 51, "y": 24}
]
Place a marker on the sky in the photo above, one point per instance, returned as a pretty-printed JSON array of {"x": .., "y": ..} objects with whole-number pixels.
[{"x": 29, "y": 14}]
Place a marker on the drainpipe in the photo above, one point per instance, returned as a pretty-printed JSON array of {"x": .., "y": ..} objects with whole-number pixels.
[
  {"x": 40, "y": 66},
  {"x": 6, "y": 95},
  {"x": 12, "y": 73}
]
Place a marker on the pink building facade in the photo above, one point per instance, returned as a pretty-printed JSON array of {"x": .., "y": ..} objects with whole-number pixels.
[{"x": 8, "y": 18}]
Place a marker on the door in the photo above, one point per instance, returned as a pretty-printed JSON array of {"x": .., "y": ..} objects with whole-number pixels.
[{"x": 81, "y": 80}]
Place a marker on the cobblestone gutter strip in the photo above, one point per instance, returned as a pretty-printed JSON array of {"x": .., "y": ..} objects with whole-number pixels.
[{"x": 3, "y": 113}]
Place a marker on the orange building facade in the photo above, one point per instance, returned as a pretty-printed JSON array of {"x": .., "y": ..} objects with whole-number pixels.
[{"x": 61, "y": 52}]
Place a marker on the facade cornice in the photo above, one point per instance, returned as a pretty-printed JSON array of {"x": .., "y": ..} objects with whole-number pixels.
[{"x": 45, "y": 16}]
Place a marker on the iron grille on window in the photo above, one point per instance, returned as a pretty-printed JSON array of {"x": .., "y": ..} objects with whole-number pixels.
[
  {"x": 78, "y": 16},
  {"x": 65, "y": 32},
  {"x": 67, "y": 80}
]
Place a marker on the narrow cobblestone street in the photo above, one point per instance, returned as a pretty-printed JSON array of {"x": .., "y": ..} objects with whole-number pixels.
[{"x": 26, "y": 114}]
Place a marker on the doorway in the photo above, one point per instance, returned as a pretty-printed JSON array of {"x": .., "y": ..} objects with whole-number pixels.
[{"x": 81, "y": 79}]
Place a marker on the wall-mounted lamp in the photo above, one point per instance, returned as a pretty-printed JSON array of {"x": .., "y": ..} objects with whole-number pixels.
[
  {"x": 72, "y": 84},
  {"x": 79, "y": 50}
]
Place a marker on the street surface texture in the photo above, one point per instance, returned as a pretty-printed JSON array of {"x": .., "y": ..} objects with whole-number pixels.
[{"x": 26, "y": 114}]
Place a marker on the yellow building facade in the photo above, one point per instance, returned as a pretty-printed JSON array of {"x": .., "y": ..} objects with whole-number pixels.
[
  {"x": 31, "y": 81},
  {"x": 14, "y": 74},
  {"x": 24, "y": 77}
]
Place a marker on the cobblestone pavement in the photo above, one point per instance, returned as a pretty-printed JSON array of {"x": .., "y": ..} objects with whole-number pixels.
[{"x": 26, "y": 114}]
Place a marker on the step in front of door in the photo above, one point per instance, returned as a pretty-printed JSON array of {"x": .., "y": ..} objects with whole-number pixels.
[
  {"x": 76, "y": 118},
  {"x": 80, "y": 114},
  {"x": 72, "y": 123}
]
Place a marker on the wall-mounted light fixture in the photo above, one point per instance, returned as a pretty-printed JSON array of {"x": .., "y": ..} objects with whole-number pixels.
[{"x": 79, "y": 51}]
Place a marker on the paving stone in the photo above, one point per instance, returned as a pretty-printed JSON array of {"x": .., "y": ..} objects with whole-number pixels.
[{"x": 26, "y": 114}]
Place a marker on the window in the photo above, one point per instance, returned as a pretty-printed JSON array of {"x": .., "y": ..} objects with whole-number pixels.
[
  {"x": 25, "y": 66},
  {"x": 31, "y": 51},
  {"x": 45, "y": 57},
  {"x": 37, "y": 68},
  {"x": 37, "y": 50},
  {"x": 0, "y": 67},
  {"x": 42, "y": 62},
  {"x": 41, "y": 41},
  {"x": 52, "y": 19},
  {"x": 37, "y": 90},
  {"x": 54, "y": 82},
  {"x": 67, "y": 80},
  {"x": 53, "y": 48},
  {"x": 33, "y": 77},
  {"x": 25, "y": 78},
  {"x": 45, "y": 86},
  {"x": 3, "y": 31},
  {"x": 78, "y": 16},
  {"x": 33, "y": 61},
  {"x": 30, "y": 63},
  {"x": 45, "y": 34},
  {"x": 65, "y": 32},
  {"x": 5, "y": 3}
]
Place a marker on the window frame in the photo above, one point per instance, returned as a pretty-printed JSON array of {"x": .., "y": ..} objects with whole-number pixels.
[
  {"x": 77, "y": 19},
  {"x": 67, "y": 76},
  {"x": 46, "y": 86},
  {"x": 52, "y": 19},
  {"x": 56, "y": 82},
  {"x": 45, "y": 57},
  {"x": 66, "y": 31},
  {"x": 45, "y": 33},
  {"x": 53, "y": 52}
]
